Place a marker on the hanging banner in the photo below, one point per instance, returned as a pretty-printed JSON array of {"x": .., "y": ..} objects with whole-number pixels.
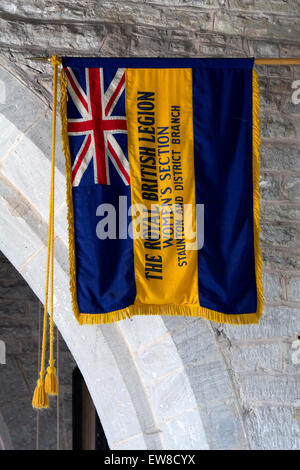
[{"x": 162, "y": 163}]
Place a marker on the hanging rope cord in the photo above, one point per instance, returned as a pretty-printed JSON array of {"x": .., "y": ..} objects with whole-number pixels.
[
  {"x": 37, "y": 437},
  {"x": 49, "y": 385}
]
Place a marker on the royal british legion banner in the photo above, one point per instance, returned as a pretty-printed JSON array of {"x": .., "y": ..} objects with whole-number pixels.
[{"x": 162, "y": 160}]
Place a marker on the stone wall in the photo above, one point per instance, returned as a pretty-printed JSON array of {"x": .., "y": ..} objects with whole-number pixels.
[
  {"x": 243, "y": 378},
  {"x": 19, "y": 330},
  {"x": 173, "y": 28}
]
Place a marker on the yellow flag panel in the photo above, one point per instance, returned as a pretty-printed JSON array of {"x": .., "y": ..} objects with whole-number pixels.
[{"x": 159, "y": 111}]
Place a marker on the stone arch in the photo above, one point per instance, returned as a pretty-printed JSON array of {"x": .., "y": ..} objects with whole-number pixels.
[{"x": 5, "y": 439}]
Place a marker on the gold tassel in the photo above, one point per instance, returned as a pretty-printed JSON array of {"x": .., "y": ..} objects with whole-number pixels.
[
  {"x": 40, "y": 397},
  {"x": 51, "y": 382}
]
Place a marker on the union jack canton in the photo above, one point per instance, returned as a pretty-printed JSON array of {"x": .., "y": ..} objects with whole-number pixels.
[{"x": 97, "y": 124}]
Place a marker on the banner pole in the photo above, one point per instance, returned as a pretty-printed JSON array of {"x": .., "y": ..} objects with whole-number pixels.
[{"x": 278, "y": 61}]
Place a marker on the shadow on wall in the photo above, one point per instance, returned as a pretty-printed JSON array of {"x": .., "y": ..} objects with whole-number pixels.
[{"x": 19, "y": 330}]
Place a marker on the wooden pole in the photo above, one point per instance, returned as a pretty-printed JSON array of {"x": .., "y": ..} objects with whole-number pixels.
[{"x": 283, "y": 61}]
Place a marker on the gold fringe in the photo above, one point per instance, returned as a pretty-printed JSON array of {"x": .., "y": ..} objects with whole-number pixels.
[
  {"x": 167, "y": 309},
  {"x": 256, "y": 194},
  {"x": 66, "y": 149},
  {"x": 163, "y": 309}
]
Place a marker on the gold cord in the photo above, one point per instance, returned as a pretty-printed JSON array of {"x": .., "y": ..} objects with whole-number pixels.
[{"x": 48, "y": 385}]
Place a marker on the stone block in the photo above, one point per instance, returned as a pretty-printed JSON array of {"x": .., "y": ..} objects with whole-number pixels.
[
  {"x": 276, "y": 322},
  {"x": 183, "y": 47},
  {"x": 280, "y": 258},
  {"x": 15, "y": 288},
  {"x": 38, "y": 135},
  {"x": 209, "y": 381},
  {"x": 263, "y": 48},
  {"x": 14, "y": 329},
  {"x": 293, "y": 289},
  {"x": 289, "y": 106},
  {"x": 269, "y": 101},
  {"x": 289, "y": 365},
  {"x": 279, "y": 156},
  {"x": 284, "y": 71},
  {"x": 31, "y": 183},
  {"x": 289, "y": 50},
  {"x": 274, "y": 6},
  {"x": 20, "y": 419},
  {"x": 256, "y": 358},
  {"x": 158, "y": 359},
  {"x": 114, "y": 46},
  {"x": 7, "y": 271},
  {"x": 185, "y": 432},
  {"x": 13, "y": 387},
  {"x": 14, "y": 308},
  {"x": 269, "y": 187},
  {"x": 177, "y": 322},
  {"x": 268, "y": 388},
  {"x": 19, "y": 112},
  {"x": 153, "y": 45},
  {"x": 194, "y": 20},
  {"x": 280, "y": 212},
  {"x": 66, "y": 400},
  {"x": 142, "y": 330},
  {"x": 272, "y": 287},
  {"x": 264, "y": 420},
  {"x": 171, "y": 396},
  {"x": 196, "y": 343},
  {"x": 291, "y": 188},
  {"x": 280, "y": 86},
  {"x": 222, "y": 426},
  {"x": 207, "y": 50},
  {"x": 67, "y": 437},
  {"x": 278, "y": 235},
  {"x": 275, "y": 125}
]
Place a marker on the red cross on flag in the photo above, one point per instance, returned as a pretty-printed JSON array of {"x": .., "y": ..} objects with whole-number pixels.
[{"x": 97, "y": 125}]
